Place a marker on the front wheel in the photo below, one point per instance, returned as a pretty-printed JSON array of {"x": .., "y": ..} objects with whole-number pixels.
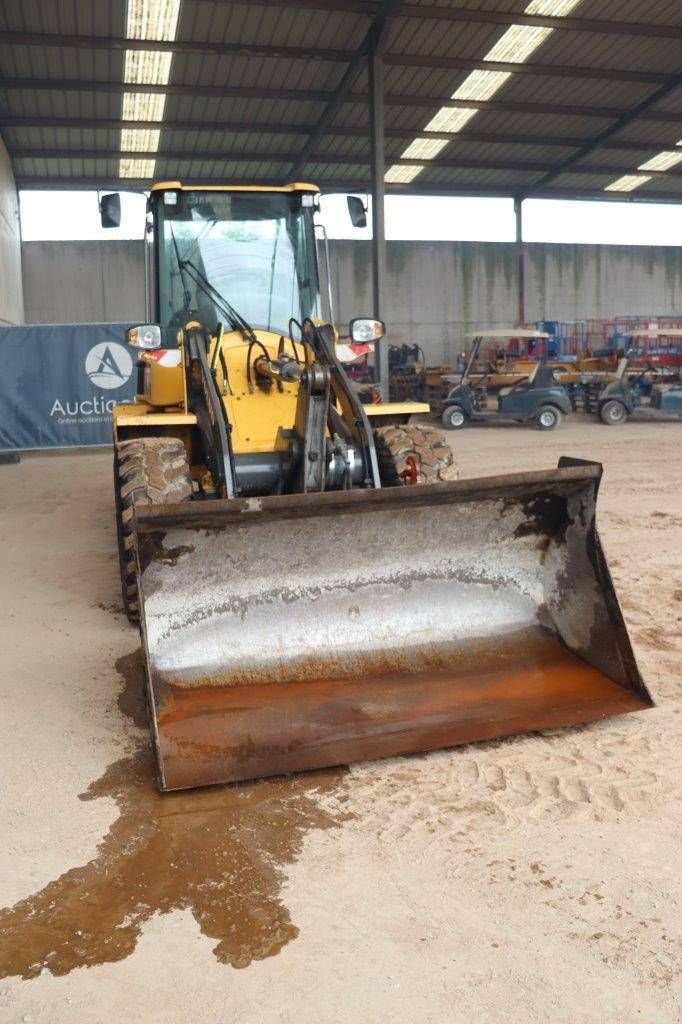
[
  {"x": 147, "y": 471},
  {"x": 413, "y": 454},
  {"x": 613, "y": 413},
  {"x": 454, "y": 417},
  {"x": 547, "y": 418}
]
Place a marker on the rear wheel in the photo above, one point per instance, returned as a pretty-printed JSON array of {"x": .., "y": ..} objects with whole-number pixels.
[
  {"x": 612, "y": 413},
  {"x": 413, "y": 454},
  {"x": 454, "y": 417},
  {"x": 147, "y": 471},
  {"x": 548, "y": 417}
]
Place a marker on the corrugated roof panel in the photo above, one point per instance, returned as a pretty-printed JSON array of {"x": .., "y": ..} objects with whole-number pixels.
[
  {"x": 288, "y": 25},
  {"x": 595, "y": 49},
  {"x": 284, "y": 26},
  {"x": 580, "y": 92},
  {"x": 658, "y": 12},
  {"x": 664, "y": 185},
  {"x": 68, "y": 17},
  {"x": 252, "y": 72}
]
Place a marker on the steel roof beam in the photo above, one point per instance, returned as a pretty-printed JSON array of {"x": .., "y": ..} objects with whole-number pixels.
[
  {"x": 639, "y": 111},
  {"x": 203, "y": 47},
  {"x": 356, "y": 159},
  {"x": 374, "y": 37},
  {"x": 43, "y": 40},
  {"x": 356, "y": 185},
  {"x": 336, "y": 98},
  {"x": 494, "y": 138},
  {"x": 483, "y": 17}
]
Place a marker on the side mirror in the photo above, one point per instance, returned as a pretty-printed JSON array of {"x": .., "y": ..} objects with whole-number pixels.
[
  {"x": 357, "y": 211},
  {"x": 144, "y": 336},
  {"x": 110, "y": 210},
  {"x": 364, "y": 331}
]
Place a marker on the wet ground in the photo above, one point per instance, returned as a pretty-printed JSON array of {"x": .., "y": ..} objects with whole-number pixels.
[{"x": 216, "y": 852}]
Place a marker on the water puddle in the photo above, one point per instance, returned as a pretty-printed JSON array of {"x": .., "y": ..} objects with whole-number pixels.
[{"x": 217, "y": 852}]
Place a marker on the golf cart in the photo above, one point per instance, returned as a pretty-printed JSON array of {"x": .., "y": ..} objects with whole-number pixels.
[
  {"x": 534, "y": 397},
  {"x": 622, "y": 396}
]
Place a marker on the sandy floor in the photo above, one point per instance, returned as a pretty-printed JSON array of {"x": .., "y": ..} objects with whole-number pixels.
[{"x": 530, "y": 880}]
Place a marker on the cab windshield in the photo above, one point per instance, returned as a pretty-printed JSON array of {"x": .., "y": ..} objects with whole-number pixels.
[{"x": 256, "y": 249}]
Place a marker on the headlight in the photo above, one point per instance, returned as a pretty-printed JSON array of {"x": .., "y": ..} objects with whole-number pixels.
[{"x": 144, "y": 336}]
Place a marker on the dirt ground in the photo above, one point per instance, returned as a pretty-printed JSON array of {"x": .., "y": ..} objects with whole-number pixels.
[{"x": 528, "y": 880}]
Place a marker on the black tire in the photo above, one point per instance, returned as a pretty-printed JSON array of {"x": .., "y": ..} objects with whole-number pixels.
[
  {"x": 547, "y": 417},
  {"x": 454, "y": 417},
  {"x": 147, "y": 471},
  {"x": 429, "y": 449},
  {"x": 613, "y": 413}
]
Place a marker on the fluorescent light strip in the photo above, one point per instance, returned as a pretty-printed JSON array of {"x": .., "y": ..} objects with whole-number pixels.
[
  {"x": 146, "y": 19},
  {"x": 628, "y": 182},
  {"x": 515, "y": 46}
]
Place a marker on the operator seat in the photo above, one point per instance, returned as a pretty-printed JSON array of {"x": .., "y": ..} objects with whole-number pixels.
[{"x": 528, "y": 382}]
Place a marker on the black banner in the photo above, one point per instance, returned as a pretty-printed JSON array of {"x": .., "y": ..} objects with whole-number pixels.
[{"x": 59, "y": 383}]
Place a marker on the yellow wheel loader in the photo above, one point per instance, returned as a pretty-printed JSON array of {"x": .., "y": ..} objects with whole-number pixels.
[{"x": 313, "y": 584}]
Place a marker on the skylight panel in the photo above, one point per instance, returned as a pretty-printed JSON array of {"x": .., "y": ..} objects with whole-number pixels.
[
  {"x": 141, "y": 106},
  {"x": 146, "y": 19},
  {"x": 628, "y": 182},
  {"x": 136, "y": 168},
  {"x": 515, "y": 46},
  {"x": 398, "y": 174},
  {"x": 146, "y": 67},
  {"x": 662, "y": 161},
  {"x": 450, "y": 119},
  {"x": 481, "y": 85},
  {"x": 139, "y": 140},
  {"x": 551, "y": 8},
  {"x": 424, "y": 149},
  {"x": 518, "y": 43}
]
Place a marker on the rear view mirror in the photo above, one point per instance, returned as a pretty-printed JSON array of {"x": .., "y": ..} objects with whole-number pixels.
[
  {"x": 363, "y": 331},
  {"x": 357, "y": 211},
  {"x": 110, "y": 210}
]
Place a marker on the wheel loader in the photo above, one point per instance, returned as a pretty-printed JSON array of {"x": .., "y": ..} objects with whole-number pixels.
[{"x": 313, "y": 584}]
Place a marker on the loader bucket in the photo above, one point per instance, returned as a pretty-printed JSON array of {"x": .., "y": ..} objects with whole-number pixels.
[{"x": 294, "y": 632}]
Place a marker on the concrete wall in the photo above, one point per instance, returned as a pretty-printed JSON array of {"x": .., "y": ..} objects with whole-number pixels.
[
  {"x": 11, "y": 300},
  {"x": 83, "y": 282},
  {"x": 437, "y": 291}
]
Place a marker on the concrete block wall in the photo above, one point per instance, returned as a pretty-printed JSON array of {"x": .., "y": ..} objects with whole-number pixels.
[
  {"x": 437, "y": 292},
  {"x": 83, "y": 282},
  {"x": 11, "y": 296}
]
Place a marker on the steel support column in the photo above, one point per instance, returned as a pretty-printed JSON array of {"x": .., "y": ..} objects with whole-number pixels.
[
  {"x": 377, "y": 170},
  {"x": 520, "y": 264}
]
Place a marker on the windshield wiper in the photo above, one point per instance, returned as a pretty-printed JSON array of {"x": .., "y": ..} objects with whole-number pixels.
[{"x": 232, "y": 317}]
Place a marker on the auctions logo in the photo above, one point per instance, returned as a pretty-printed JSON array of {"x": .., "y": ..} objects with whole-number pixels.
[{"x": 109, "y": 365}]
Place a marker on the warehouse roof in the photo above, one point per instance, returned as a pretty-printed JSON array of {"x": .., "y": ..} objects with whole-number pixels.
[{"x": 505, "y": 97}]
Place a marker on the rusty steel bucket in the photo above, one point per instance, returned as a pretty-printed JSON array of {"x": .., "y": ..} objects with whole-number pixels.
[{"x": 294, "y": 632}]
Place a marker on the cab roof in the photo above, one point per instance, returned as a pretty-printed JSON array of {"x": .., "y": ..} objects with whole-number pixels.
[{"x": 294, "y": 186}]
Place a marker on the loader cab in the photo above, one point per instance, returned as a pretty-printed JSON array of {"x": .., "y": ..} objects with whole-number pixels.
[{"x": 253, "y": 247}]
